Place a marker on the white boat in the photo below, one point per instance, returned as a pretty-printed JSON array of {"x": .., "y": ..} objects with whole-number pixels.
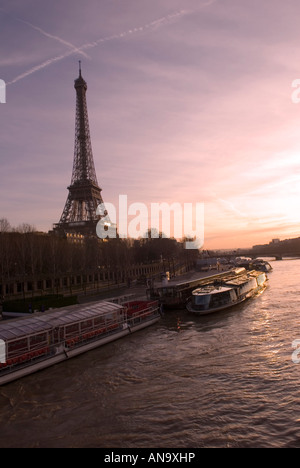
[
  {"x": 29, "y": 344},
  {"x": 261, "y": 265},
  {"x": 176, "y": 293},
  {"x": 221, "y": 295}
]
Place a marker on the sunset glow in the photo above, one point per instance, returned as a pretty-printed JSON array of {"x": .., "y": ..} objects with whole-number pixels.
[{"x": 189, "y": 102}]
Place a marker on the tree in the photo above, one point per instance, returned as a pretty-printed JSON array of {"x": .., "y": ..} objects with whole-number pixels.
[{"x": 4, "y": 225}]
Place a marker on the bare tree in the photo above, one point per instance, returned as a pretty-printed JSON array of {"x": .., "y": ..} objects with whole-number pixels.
[{"x": 4, "y": 225}]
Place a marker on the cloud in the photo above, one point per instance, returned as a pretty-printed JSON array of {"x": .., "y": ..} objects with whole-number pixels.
[
  {"x": 229, "y": 206},
  {"x": 194, "y": 106}
]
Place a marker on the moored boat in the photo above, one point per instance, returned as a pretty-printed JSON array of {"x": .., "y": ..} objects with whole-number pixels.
[
  {"x": 41, "y": 340},
  {"x": 221, "y": 295},
  {"x": 174, "y": 294},
  {"x": 261, "y": 265}
]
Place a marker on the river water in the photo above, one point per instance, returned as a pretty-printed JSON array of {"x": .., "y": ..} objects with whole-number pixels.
[{"x": 225, "y": 380}]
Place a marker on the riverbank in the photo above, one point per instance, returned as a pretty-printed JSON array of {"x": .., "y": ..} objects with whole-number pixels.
[
  {"x": 134, "y": 291},
  {"x": 138, "y": 291}
]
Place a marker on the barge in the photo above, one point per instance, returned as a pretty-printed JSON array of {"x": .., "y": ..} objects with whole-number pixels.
[{"x": 29, "y": 344}]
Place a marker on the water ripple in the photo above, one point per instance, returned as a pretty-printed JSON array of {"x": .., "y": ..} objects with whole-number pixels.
[{"x": 225, "y": 380}]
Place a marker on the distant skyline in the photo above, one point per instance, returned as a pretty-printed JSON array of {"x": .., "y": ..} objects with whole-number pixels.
[{"x": 189, "y": 101}]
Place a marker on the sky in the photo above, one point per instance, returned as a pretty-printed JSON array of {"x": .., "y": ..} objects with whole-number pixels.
[{"x": 189, "y": 101}]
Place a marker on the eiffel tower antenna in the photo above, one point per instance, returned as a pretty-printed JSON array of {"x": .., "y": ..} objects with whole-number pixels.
[{"x": 79, "y": 214}]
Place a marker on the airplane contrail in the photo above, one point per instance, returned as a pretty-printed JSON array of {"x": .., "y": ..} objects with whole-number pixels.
[
  {"x": 51, "y": 36},
  {"x": 153, "y": 24}
]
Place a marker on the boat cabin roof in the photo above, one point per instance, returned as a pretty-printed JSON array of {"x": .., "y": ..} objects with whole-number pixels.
[
  {"x": 42, "y": 322},
  {"x": 196, "y": 281},
  {"x": 211, "y": 290},
  {"x": 244, "y": 278},
  {"x": 238, "y": 281}
]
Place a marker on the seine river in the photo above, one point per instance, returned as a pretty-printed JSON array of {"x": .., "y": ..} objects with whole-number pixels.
[{"x": 226, "y": 380}]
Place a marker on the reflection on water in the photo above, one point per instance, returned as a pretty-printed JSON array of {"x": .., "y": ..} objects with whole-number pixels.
[{"x": 225, "y": 380}]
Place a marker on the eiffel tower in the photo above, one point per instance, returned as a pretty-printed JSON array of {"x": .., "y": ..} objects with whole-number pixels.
[{"x": 79, "y": 216}]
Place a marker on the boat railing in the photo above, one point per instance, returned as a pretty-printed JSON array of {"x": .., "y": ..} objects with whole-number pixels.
[
  {"x": 26, "y": 359},
  {"x": 147, "y": 314},
  {"x": 120, "y": 299},
  {"x": 94, "y": 335},
  {"x": 22, "y": 356},
  {"x": 142, "y": 314}
]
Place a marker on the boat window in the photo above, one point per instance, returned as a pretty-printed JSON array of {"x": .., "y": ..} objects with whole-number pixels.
[
  {"x": 99, "y": 321},
  {"x": 248, "y": 286},
  {"x": 86, "y": 325},
  {"x": 17, "y": 347},
  {"x": 221, "y": 298},
  {"x": 233, "y": 295},
  {"x": 202, "y": 300},
  {"x": 72, "y": 329},
  {"x": 261, "y": 279},
  {"x": 37, "y": 340},
  {"x": 167, "y": 292}
]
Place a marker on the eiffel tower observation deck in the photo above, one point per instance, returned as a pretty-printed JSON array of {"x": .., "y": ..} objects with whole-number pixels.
[{"x": 79, "y": 216}]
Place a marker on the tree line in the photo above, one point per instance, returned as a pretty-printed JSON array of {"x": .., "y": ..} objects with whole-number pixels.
[{"x": 24, "y": 252}]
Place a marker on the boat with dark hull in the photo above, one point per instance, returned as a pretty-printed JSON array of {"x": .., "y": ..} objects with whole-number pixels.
[
  {"x": 261, "y": 265},
  {"x": 41, "y": 340},
  {"x": 220, "y": 295},
  {"x": 175, "y": 294}
]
